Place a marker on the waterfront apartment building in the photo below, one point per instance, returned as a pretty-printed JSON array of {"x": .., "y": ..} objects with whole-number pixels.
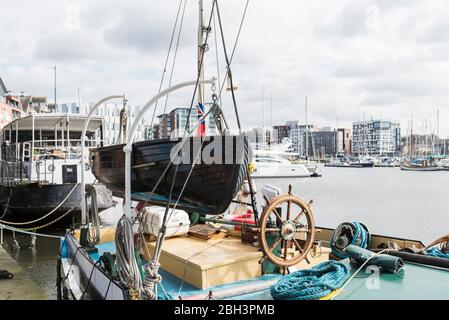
[
  {"x": 346, "y": 141},
  {"x": 297, "y": 137},
  {"x": 110, "y": 112},
  {"x": 163, "y": 131},
  {"x": 10, "y": 106},
  {"x": 173, "y": 124},
  {"x": 281, "y": 132},
  {"x": 324, "y": 142},
  {"x": 376, "y": 137}
]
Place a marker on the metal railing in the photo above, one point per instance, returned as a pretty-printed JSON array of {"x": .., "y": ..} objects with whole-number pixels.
[
  {"x": 21, "y": 171},
  {"x": 13, "y": 171}
]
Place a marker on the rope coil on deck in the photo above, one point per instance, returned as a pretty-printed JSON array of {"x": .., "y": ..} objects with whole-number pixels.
[{"x": 312, "y": 284}]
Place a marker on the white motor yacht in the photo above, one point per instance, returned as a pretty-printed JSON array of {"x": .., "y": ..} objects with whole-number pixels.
[{"x": 272, "y": 166}]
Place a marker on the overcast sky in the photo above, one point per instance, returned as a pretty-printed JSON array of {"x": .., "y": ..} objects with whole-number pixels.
[{"x": 382, "y": 59}]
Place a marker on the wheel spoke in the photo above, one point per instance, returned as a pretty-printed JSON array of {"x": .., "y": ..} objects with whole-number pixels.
[
  {"x": 285, "y": 249},
  {"x": 303, "y": 230},
  {"x": 272, "y": 230},
  {"x": 299, "y": 215},
  {"x": 298, "y": 246},
  {"x": 277, "y": 215},
  {"x": 289, "y": 204},
  {"x": 275, "y": 244}
]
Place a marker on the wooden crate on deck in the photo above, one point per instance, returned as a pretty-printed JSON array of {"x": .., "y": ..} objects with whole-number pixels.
[{"x": 204, "y": 264}]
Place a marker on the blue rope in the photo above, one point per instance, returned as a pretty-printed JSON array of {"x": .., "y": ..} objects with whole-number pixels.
[
  {"x": 360, "y": 239},
  {"x": 360, "y": 232},
  {"x": 164, "y": 297},
  {"x": 437, "y": 253},
  {"x": 311, "y": 284}
]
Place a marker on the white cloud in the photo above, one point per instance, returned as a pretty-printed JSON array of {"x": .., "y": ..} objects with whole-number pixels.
[{"x": 379, "y": 58}]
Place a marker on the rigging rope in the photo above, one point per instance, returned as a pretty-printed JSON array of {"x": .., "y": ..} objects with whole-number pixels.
[
  {"x": 6, "y": 227},
  {"x": 175, "y": 54},
  {"x": 45, "y": 216},
  {"x": 216, "y": 56},
  {"x": 357, "y": 272},
  {"x": 93, "y": 219},
  {"x": 228, "y": 64},
  {"x": 240, "y": 28},
  {"x": 166, "y": 60},
  {"x": 7, "y": 204},
  {"x": 127, "y": 266},
  {"x": 234, "y": 48}
]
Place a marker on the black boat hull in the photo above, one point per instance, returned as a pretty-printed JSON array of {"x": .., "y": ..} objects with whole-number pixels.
[
  {"x": 211, "y": 185},
  {"x": 28, "y": 202}
]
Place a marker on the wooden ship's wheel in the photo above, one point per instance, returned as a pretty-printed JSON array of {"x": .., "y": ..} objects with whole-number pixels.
[{"x": 287, "y": 230}]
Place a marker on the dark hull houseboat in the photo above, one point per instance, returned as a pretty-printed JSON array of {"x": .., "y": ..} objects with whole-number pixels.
[
  {"x": 213, "y": 183},
  {"x": 40, "y": 171}
]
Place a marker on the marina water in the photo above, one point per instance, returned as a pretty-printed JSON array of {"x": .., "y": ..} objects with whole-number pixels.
[{"x": 389, "y": 201}]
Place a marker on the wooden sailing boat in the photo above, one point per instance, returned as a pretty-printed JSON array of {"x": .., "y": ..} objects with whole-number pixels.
[
  {"x": 197, "y": 184},
  {"x": 211, "y": 186}
]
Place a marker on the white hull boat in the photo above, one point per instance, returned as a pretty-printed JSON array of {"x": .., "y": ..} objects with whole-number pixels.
[{"x": 275, "y": 167}]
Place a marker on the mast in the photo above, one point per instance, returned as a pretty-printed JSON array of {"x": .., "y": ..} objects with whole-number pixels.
[
  {"x": 437, "y": 142},
  {"x": 55, "y": 89},
  {"x": 200, "y": 57},
  {"x": 426, "y": 139},
  {"x": 411, "y": 138},
  {"x": 271, "y": 118},
  {"x": 200, "y": 51},
  {"x": 263, "y": 119},
  {"x": 307, "y": 135}
]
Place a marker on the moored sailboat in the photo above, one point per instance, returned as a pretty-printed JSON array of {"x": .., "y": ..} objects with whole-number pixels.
[
  {"x": 418, "y": 164},
  {"x": 154, "y": 170}
]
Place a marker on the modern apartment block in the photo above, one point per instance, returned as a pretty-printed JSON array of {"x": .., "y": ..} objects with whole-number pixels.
[
  {"x": 173, "y": 124},
  {"x": 321, "y": 142},
  {"x": 346, "y": 141},
  {"x": 376, "y": 137},
  {"x": 110, "y": 112},
  {"x": 281, "y": 132}
]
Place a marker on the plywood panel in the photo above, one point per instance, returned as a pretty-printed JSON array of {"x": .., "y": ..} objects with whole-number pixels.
[{"x": 208, "y": 263}]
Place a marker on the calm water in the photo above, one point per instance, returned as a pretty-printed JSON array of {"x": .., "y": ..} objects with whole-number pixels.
[{"x": 389, "y": 201}]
